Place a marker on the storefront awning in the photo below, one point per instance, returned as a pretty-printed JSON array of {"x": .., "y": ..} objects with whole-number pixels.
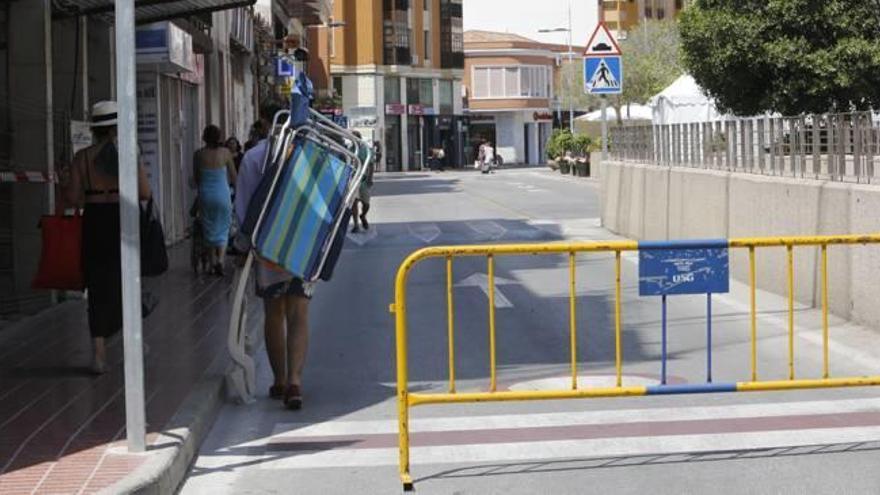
[{"x": 146, "y": 10}]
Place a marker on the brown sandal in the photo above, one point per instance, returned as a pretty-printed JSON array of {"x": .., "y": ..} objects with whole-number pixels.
[{"x": 293, "y": 398}]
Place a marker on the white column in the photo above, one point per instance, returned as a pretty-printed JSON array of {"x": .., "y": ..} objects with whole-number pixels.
[{"x": 129, "y": 228}]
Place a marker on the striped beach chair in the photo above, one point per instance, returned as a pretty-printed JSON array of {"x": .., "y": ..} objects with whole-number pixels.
[{"x": 305, "y": 211}]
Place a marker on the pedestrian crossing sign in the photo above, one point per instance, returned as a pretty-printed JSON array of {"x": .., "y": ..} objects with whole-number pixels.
[{"x": 603, "y": 75}]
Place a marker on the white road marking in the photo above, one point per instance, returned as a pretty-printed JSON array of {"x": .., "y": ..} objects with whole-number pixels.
[
  {"x": 481, "y": 280},
  {"x": 550, "y": 449},
  {"x": 569, "y": 449},
  {"x": 512, "y": 421},
  {"x": 363, "y": 237},
  {"x": 426, "y": 232},
  {"x": 487, "y": 228}
]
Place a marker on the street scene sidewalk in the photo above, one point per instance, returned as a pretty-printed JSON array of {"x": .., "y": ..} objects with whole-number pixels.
[
  {"x": 344, "y": 440},
  {"x": 62, "y": 429}
]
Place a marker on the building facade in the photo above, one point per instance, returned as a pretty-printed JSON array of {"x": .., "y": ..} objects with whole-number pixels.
[
  {"x": 195, "y": 66},
  {"x": 510, "y": 83},
  {"x": 622, "y": 15},
  {"x": 397, "y": 68}
]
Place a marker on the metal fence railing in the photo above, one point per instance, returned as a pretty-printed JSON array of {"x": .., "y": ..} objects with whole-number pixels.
[
  {"x": 838, "y": 147},
  {"x": 747, "y": 382}
]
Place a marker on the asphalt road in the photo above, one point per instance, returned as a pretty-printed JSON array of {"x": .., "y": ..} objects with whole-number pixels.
[{"x": 344, "y": 440}]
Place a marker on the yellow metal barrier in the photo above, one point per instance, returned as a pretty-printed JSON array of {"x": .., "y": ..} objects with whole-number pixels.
[{"x": 406, "y": 400}]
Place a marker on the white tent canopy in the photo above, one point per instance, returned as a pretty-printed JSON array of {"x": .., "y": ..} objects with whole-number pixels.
[
  {"x": 630, "y": 112},
  {"x": 683, "y": 101}
]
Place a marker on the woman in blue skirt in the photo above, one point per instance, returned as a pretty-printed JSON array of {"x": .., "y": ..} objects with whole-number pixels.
[{"x": 214, "y": 172}]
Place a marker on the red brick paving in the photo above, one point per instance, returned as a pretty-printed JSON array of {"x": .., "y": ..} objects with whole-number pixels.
[{"x": 57, "y": 423}]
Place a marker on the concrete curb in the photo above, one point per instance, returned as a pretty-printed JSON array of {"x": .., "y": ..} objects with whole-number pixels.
[{"x": 171, "y": 455}]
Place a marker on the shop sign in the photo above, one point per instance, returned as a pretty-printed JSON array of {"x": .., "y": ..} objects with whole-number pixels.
[
  {"x": 395, "y": 109},
  {"x": 482, "y": 118},
  {"x": 543, "y": 117},
  {"x": 416, "y": 110},
  {"x": 166, "y": 46}
]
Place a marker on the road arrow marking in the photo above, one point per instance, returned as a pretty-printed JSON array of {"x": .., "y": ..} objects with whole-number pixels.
[
  {"x": 363, "y": 237},
  {"x": 482, "y": 281},
  {"x": 487, "y": 228},
  {"x": 425, "y": 233}
]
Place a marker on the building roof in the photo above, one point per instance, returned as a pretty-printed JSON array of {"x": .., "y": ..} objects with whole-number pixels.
[
  {"x": 475, "y": 36},
  {"x": 475, "y": 39}
]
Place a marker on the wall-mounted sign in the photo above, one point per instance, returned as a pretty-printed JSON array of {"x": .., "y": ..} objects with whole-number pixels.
[
  {"x": 395, "y": 109},
  {"x": 166, "y": 46},
  {"x": 543, "y": 117},
  {"x": 416, "y": 110}
]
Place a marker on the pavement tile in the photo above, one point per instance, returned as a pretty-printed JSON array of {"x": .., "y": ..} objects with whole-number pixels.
[{"x": 57, "y": 421}]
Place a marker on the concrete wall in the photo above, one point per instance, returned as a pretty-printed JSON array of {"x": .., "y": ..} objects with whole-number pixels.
[{"x": 659, "y": 203}]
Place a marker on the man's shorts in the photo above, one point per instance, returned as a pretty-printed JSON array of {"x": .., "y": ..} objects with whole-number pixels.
[{"x": 293, "y": 287}]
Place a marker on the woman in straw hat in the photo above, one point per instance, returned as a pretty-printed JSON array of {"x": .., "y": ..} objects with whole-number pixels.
[{"x": 94, "y": 184}]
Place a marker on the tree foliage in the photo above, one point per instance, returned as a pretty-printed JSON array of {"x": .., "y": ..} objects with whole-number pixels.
[
  {"x": 785, "y": 56},
  {"x": 651, "y": 60}
]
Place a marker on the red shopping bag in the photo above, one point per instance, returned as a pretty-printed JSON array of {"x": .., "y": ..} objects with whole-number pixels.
[{"x": 61, "y": 258}]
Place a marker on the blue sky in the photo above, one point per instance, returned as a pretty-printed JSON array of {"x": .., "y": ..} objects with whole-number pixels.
[{"x": 526, "y": 17}]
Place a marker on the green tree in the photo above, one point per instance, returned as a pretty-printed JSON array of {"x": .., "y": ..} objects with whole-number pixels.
[
  {"x": 651, "y": 60},
  {"x": 785, "y": 56}
]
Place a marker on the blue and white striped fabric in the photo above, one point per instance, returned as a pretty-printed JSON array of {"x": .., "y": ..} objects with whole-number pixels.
[{"x": 299, "y": 221}]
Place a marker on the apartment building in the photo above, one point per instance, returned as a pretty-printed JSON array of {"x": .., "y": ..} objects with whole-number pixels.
[
  {"x": 509, "y": 82},
  {"x": 397, "y": 66},
  {"x": 622, "y": 15}
]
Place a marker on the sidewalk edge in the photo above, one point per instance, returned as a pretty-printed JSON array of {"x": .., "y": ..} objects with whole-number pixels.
[{"x": 170, "y": 456}]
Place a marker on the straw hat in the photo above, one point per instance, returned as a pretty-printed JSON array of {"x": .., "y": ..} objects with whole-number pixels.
[{"x": 104, "y": 114}]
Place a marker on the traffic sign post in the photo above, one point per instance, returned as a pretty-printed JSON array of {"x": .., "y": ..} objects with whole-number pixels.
[{"x": 603, "y": 72}]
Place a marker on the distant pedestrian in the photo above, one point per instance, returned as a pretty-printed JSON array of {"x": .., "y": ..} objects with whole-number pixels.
[
  {"x": 362, "y": 203},
  {"x": 488, "y": 153},
  {"x": 234, "y": 147},
  {"x": 94, "y": 184},
  {"x": 214, "y": 169},
  {"x": 259, "y": 131},
  {"x": 285, "y": 297}
]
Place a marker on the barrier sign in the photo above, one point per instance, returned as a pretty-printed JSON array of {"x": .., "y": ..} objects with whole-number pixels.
[{"x": 667, "y": 270}]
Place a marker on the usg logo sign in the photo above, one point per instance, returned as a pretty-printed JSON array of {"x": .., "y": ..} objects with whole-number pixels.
[{"x": 683, "y": 278}]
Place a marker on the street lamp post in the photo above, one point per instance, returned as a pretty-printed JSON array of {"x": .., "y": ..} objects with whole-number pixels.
[{"x": 570, "y": 61}]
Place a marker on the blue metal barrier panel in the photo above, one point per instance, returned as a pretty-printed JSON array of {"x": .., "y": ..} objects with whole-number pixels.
[{"x": 684, "y": 267}]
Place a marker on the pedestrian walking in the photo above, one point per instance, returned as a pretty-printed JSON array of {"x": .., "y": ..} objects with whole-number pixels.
[
  {"x": 234, "y": 147},
  {"x": 214, "y": 168},
  {"x": 285, "y": 298},
  {"x": 488, "y": 153},
  {"x": 94, "y": 185},
  {"x": 362, "y": 203}
]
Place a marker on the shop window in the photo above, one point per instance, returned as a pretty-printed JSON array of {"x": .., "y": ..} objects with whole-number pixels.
[
  {"x": 392, "y": 90},
  {"x": 447, "y": 106},
  {"x": 412, "y": 91}
]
